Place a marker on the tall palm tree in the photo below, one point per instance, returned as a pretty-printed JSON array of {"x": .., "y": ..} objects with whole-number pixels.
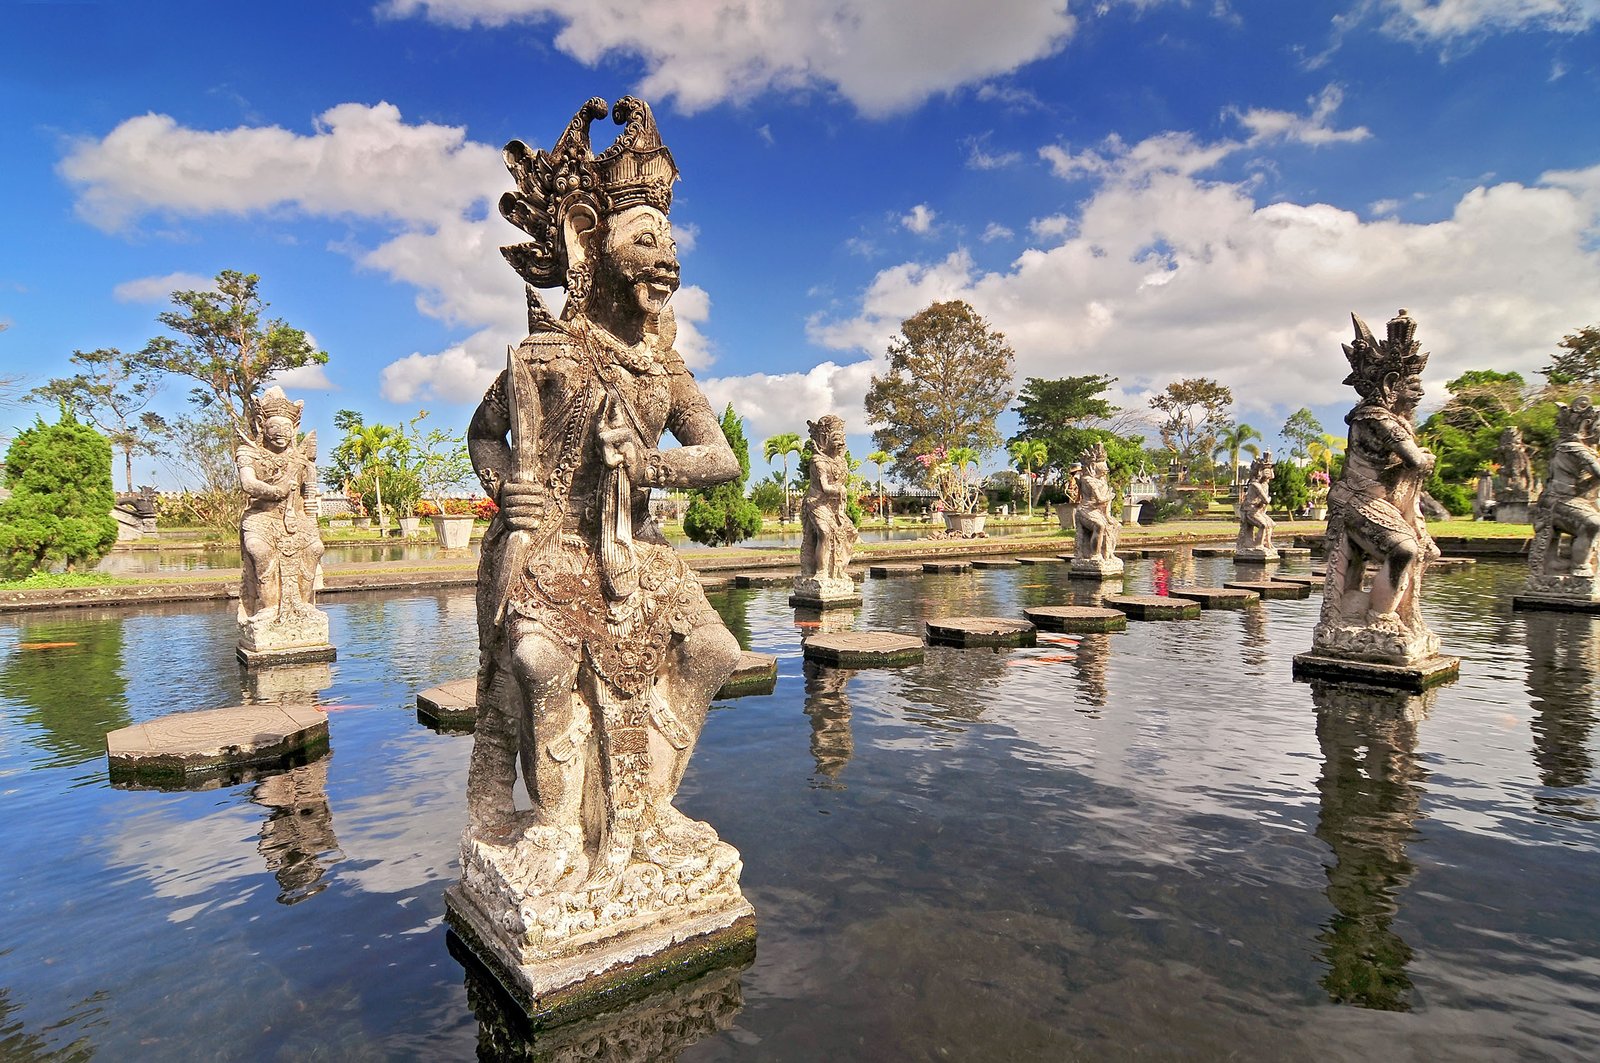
[
  {"x": 371, "y": 445},
  {"x": 880, "y": 458},
  {"x": 1231, "y": 441},
  {"x": 781, "y": 446},
  {"x": 1323, "y": 450},
  {"x": 1027, "y": 455}
]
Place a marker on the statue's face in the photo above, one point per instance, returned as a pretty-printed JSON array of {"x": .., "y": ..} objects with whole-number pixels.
[
  {"x": 1404, "y": 392},
  {"x": 638, "y": 260},
  {"x": 278, "y": 433},
  {"x": 829, "y": 438}
]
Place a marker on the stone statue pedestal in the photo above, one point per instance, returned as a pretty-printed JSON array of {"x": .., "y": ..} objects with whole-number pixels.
[
  {"x": 817, "y": 592},
  {"x": 1255, "y": 555},
  {"x": 294, "y": 638},
  {"x": 562, "y": 953},
  {"x": 1567, "y": 594},
  {"x": 1513, "y": 511},
  {"x": 1101, "y": 568},
  {"x": 1415, "y": 676}
]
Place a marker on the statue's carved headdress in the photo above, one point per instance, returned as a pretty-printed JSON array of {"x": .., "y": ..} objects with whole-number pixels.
[
  {"x": 1261, "y": 463},
  {"x": 637, "y": 169},
  {"x": 274, "y": 403},
  {"x": 825, "y": 425},
  {"x": 1577, "y": 421},
  {"x": 1372, "y": 360}
]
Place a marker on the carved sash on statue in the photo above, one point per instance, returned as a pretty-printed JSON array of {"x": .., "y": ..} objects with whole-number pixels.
[
  {"x": 1566, "y": 520},
  {"x": 1255, "y": 523},
  {"x": 599, "y": 653},
  {"x": 828, "y": 535}
]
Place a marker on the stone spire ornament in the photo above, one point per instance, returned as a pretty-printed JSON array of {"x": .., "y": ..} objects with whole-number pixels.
[
  {"x": 599, "y": 654},
  {"x": 1377, "y": 634},
  {"x": 1566, "y": 521},
  {"x": 1254, "y": 544},
  {"x": 828, "y": 535},
  {"x": 280, "y": 546}
]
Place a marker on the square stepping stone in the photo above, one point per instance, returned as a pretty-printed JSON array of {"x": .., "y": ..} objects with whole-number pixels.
[
  {"x": 1216, "y": 597},
  {"x": 1076, "y": 619},
  {"x": 1213, "y": 550},
  {"x": 756, "y": 673},
  {"x": 892, "y": 571},
  {"x": 981, "y": 631},
  {"x": 1153, "y": 607},
  {"x": 762, "y": 579},
  {"x": 946, "y": 566},
  {"x": 864, "y": 649},
  {"x": 1043, "y": 560},
  {"x": 995, "y": 562},
  {"x": 1415, "y": 677},
  {"x": 1271, "y": 589},
  {"x": 451, "y": 706},
  {"x": 175, "y": 748}
]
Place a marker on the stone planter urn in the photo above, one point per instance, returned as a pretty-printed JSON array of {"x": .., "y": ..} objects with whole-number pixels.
[
  {"x": 453, "y": 529},
  {"x": 1319, "y": 512},
  {"x": 1066, "y": 515},
  {"x": 409, "y": 526},
  {"x": 1130, "y": 513},
  {"x": 339, "y": 522},
  {"x": 363, "y": 522},
  {"x": 964, "y": 523}
]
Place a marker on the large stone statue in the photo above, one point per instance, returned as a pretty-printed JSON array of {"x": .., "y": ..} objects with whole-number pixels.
[
  {"x": 1097, "y": 527},
  {"x": 599, "y": 652},
  {"x": 279, "y": 545},
  {"x": 1566, "y": 522},
  {"x": 1516, "y": 479},
  {"x": 1255, "y": 524},
  {"x": 1375, "y": 515},
  {"x": 828, "y": 535}
]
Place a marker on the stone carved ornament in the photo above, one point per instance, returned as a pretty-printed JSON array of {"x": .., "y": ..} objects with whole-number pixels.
[
  {"x": 1255, "y": 524},
  {"x": 828, "y": 535},
  {"x": 599, "y": 651},
  {"x": 1097, "y": 527},
  {"x": 1566, "y": 520},
  {"x": 1374, "y": 510},
  {"x": 1516, "y": 466}
]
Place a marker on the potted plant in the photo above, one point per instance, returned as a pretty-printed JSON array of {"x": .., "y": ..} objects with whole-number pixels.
[
  {"x": 439, "y": 464},
  {"x": 1317, "y": 484},
  {"x": 960, "y": 487}
]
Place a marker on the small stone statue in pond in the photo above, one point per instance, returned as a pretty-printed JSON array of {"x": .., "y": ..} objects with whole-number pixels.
[
  {"x": 279, "y": 544},
  {"x": 599, "y": 653},
  {"x": 1255, "y": 524},
  {"x": 1095, "y": 553},
  {"x": 1516, "y": 479},
  {"x": 1374, "y": 511},
  {"x": 828, "y": 535},
  {"x": 1566, "y": 521}
]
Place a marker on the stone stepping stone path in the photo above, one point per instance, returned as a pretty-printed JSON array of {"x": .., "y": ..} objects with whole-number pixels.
[
  {"x": 981, "y": 631},
  {"x": 1213, "y": 551},
  {"x": 946, "y": 566},
  {"x": 451, "y": 706},
  {"x": 864, "y": 649},
  {"x": 1271, "y": 588},
  {"x": 1076, "y": 619},
  {"x": 762, "y": 579},
  {"x": 173, "y": 749},
  {"x": 891, "y": 571},
  {"x": 1295, "y": 551},
  {"x": 1043, "y": 560},
  {"x": 1153, "y": 607},
  {"x": 756, "y": 673},
  {"x": 1452, "y": 562},
  {"x": 715, "y": 583},
  {"x": 1314, "y": 582},
  {"x": 1216, "y": 597},
  {"x": 996, "y": 562}
]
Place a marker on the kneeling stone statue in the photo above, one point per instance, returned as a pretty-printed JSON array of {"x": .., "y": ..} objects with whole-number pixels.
[
  {"x": 599, "y": 654},
  {"x": 1566, "y": 521}
]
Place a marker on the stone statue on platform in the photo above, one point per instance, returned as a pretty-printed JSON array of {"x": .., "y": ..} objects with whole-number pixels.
[
  {"x": 1516, "y": 479},
  {"x": 828, "y": 535},
  {"x": 599, "y": 652},
  {"x": 1255, "y": 524},
  {"x": 1375, "y": 514},
  {"x": 1566, "y": 521},
  {"x": 1097, "y": 527},
  {"x": 280, "y": 546}
]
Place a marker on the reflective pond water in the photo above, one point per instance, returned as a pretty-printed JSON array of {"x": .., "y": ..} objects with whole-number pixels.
[{"x": 1146, "y": 844}]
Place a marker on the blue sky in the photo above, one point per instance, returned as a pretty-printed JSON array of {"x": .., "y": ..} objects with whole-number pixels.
[{"x": 1146, "y": 188}]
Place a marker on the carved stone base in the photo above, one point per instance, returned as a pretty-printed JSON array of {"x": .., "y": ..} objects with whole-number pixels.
[
  {"x": 544, "y": 941},
  {"x": 291, "y": 638},
  {"x": 1095, "y": 568},
  {"x": 814, "y": 592},
  {"x": 300, "y": 655},
  {"x": 1255, "y": 555},
  {"x": 1416, "y": 676},
  {"x": 1513, "y": 511},
  {"x": 1567, "y": 594},
  {"x": 1381, "y": 642}
]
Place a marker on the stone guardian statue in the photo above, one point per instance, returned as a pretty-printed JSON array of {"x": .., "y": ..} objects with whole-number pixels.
[
  {"x": 280, "y": 547},
  {"x": 1097, "y": 527},
  {"x": 1566, "y": 521},
  {"x": 828, "y": 535},
  {"x": 1375, "y": 515},
  {"x": 1255, "y": 524},
  {"x": 599, "y": 654},
  {"x": 1516, "y": 479}
]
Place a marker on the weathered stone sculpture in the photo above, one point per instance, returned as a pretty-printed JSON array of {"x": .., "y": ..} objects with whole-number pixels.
[
  {"x": 599, "y": 652},
  {"x": 1374, "y": 514},
  {"x": 1095, "y": 554},
  {"x": 828, "y": 535},
  {"x": 1516, "y": 479},
  {"x": 1255, "y": 524},
  {"x": 1566, "y": 522},
  {"x": 279, "y": 544}
]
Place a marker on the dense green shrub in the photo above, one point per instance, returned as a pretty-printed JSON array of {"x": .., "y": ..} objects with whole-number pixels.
[
  {"x": 60, "y": 506},
  {"x": 721, "y": 515}
]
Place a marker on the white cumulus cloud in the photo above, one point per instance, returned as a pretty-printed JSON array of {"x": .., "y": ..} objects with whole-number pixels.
[
  {"x": 777, "y": 402},
  {"x": 160, "y": 289},
  {"x": 1448, "y": 19},
  {"x": 919, "y": 220}
]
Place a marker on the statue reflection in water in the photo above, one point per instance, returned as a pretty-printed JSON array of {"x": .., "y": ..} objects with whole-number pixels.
[
  {"x": 828, "y": 706},
  {"x": 297, "y": 840},
  {"x": 1090, "y": 661},
  {"x": 1371, "y": 789},
  {"x": 1564, "y": 683},
  {"x": 656, "y": 1028}
]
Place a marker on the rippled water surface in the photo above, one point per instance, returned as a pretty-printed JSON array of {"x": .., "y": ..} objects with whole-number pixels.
[{"x": 1145, "y": 844}]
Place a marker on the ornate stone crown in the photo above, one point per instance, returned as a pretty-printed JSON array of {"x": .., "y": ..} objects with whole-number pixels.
[
  {"x": 1372, "y": 360},
  {"x": 1577, "y": 420},
  {"x": 274, "y": 403},
  {"x": 1259, "y": 463},
  {"x": 636, "y": 170}
]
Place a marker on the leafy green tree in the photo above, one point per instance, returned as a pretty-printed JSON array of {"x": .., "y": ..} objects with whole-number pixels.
[
  {"x": 436, "y": 460},
  {"x": 1300, "y": 431},
  {"x": 61, "y": 498},
  {"x": 1325, "y": 451},
  {"x": 225, "y": 346},
  {"x": 949, "y": 378},
  {"x": 1192, "y": 413},
  {"x": 1578, "y": 364},
  {"x": 111, "y": 394},
  {"x": 1290, "y": 489},
  {"x": 782, "y": 446},
  {"x": 1232, "y": 440},
  {"x": 201, "y": 451},
  {"x": 767, "y": 496},
  {"x": 369, "y": 454},
  {"x": 1028, "y": 455},
  {"x": 1053, "y": 412},
  {"x": 722, "y": 515}
]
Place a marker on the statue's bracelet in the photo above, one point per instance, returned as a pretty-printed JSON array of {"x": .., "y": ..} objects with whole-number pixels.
[{"x": 655, "y": 469}]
